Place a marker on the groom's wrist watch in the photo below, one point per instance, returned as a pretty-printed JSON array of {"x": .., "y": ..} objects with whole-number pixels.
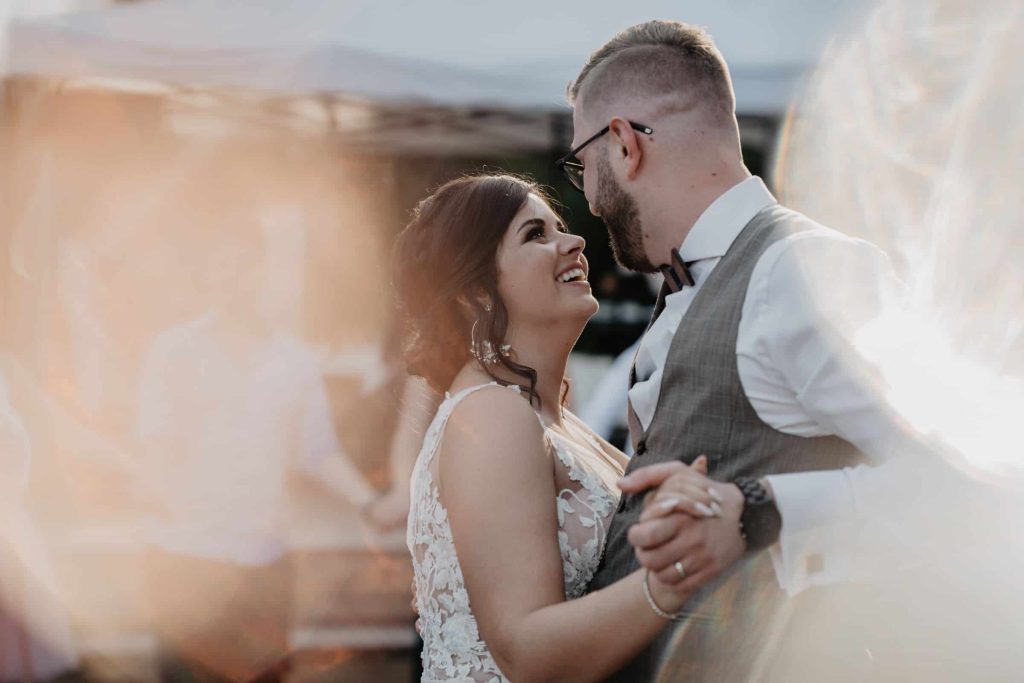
[{"x": 760, "y": 521}]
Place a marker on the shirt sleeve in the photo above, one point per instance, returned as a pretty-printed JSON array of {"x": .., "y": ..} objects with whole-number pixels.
[
  {"x": 812, "y": 295},
  {"x": 317, "y": 438}
]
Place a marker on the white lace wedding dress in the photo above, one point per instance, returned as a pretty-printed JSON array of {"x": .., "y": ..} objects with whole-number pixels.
[{"x": 452, "y": 647}]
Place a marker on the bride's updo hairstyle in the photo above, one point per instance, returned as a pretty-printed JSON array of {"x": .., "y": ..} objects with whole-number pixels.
[{"x": 445, "y": 268}]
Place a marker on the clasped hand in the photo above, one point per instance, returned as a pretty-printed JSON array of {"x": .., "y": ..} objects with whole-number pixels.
[{"x": 688, "y": 532}]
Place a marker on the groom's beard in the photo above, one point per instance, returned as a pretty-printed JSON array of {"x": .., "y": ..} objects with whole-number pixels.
[{"x": 622, "y": 217}]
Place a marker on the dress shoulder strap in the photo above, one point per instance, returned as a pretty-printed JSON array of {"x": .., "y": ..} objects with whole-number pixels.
[
  {"x": 452, "y": 400},
  {"x": 444, "y": 411}
]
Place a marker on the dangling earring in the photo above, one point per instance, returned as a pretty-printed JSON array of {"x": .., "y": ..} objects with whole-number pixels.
[{"x": 489, "y": 356}]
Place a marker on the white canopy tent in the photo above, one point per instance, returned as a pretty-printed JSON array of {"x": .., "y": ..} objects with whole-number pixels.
[{"x": 515, "y": 56}]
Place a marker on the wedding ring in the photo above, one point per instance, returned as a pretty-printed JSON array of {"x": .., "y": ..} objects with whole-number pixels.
[{"x": 679, "y": 569}]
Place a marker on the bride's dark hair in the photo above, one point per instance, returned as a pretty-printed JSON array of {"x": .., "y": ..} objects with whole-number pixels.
[{"x": 445, "y": 266}]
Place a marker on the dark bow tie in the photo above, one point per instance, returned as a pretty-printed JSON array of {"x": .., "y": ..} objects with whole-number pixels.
[{"x": 677, "y": 274}]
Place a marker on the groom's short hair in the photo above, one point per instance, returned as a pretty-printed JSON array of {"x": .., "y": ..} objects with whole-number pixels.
[{"x": 656, "y": 59}]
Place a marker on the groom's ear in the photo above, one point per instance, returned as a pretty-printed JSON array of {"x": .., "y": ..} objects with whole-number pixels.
[{"x": 625, "y": 146}]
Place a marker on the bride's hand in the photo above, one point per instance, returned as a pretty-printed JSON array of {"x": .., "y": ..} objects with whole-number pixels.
[{"x": 680, "y": 488}]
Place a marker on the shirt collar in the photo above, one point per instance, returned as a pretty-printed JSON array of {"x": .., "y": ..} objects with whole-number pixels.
[{"x": 720, "y": 224}]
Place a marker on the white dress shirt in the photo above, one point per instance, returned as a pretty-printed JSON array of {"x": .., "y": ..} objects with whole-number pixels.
[
  {"x": 807, "y": 294},
  {"x": 221, "y": 432}
]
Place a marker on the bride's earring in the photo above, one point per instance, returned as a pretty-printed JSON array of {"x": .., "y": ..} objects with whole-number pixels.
[{"x": 487, "y": 354}]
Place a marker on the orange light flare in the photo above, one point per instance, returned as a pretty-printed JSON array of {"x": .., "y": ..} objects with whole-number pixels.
[{"x": 126, "y": 216}]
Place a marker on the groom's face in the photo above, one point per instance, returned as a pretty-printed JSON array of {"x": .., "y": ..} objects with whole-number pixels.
[
  {"x": 621, "y": 216},
  {"x": 606, "y": 195}
]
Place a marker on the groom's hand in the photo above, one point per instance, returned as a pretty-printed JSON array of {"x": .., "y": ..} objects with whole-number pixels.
[{"x": 703, "y": 547}]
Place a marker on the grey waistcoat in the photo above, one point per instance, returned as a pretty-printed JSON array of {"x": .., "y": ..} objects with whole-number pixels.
[{"x": 702, "y": 409}]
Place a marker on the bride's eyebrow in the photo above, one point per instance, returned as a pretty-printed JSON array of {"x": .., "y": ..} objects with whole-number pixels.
[{"x": 530, "y": 223}]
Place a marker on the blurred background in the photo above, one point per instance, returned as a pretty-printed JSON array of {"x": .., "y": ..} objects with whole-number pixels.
[{"x": 197, "y": 203}]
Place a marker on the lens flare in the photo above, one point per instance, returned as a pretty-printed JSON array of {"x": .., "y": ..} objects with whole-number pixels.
[
  {"x": 183, "y": 271},
  {"x": 908, "y": 135}
]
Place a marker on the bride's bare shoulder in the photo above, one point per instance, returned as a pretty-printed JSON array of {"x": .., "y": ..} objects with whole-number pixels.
[
  {"x": 495, "y": 411},
  {"x": 493, "y": 442}
]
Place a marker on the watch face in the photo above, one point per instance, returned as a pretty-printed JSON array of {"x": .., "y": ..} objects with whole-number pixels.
[{"x": 761, "y": 523}]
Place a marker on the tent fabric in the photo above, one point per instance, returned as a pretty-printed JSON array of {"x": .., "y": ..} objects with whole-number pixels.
[
  {"x": 445, "y": 52},
  {"x": 42, "y": 48}
]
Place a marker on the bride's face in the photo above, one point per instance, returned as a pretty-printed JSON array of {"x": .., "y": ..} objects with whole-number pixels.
[{"x": 542, "y": 273}]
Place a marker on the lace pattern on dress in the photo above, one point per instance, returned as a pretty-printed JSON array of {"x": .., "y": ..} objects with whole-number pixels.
[
  {"x": 582, "y": 518},
  {"x": 452, "y": 647}
]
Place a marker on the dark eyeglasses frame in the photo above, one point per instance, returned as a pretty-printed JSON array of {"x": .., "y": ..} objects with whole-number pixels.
[{"x": 571, "y": 166}]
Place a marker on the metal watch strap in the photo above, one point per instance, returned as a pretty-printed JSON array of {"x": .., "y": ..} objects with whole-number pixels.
[{"x": 760, "y": 522}]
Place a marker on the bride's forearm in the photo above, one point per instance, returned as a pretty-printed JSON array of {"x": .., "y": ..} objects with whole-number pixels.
[
  {"x": 496, "y": 479},
  {"x": 586, "y": 639}
]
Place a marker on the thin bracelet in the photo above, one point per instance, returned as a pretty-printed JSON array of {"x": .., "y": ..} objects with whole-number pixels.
[{"x": 678, "y": 616}]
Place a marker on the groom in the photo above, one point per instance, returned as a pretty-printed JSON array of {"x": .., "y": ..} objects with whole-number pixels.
[{"x": 742, "y": 361}]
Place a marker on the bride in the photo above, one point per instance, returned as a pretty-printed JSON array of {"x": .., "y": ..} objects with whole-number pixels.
[{"x": 511, "y": 493}]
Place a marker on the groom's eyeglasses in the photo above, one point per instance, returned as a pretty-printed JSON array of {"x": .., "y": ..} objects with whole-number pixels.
[{"x": 571, "y": 166}]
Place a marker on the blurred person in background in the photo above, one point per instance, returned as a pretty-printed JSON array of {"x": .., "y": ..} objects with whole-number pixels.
[
  {"x": 396, "y": 408},
  {"x": 416, "y": 408},
  {"x": 231, "y": 403}
]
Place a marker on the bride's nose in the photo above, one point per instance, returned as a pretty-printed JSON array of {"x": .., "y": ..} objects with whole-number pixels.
[{"x": 572, "y": 244}]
